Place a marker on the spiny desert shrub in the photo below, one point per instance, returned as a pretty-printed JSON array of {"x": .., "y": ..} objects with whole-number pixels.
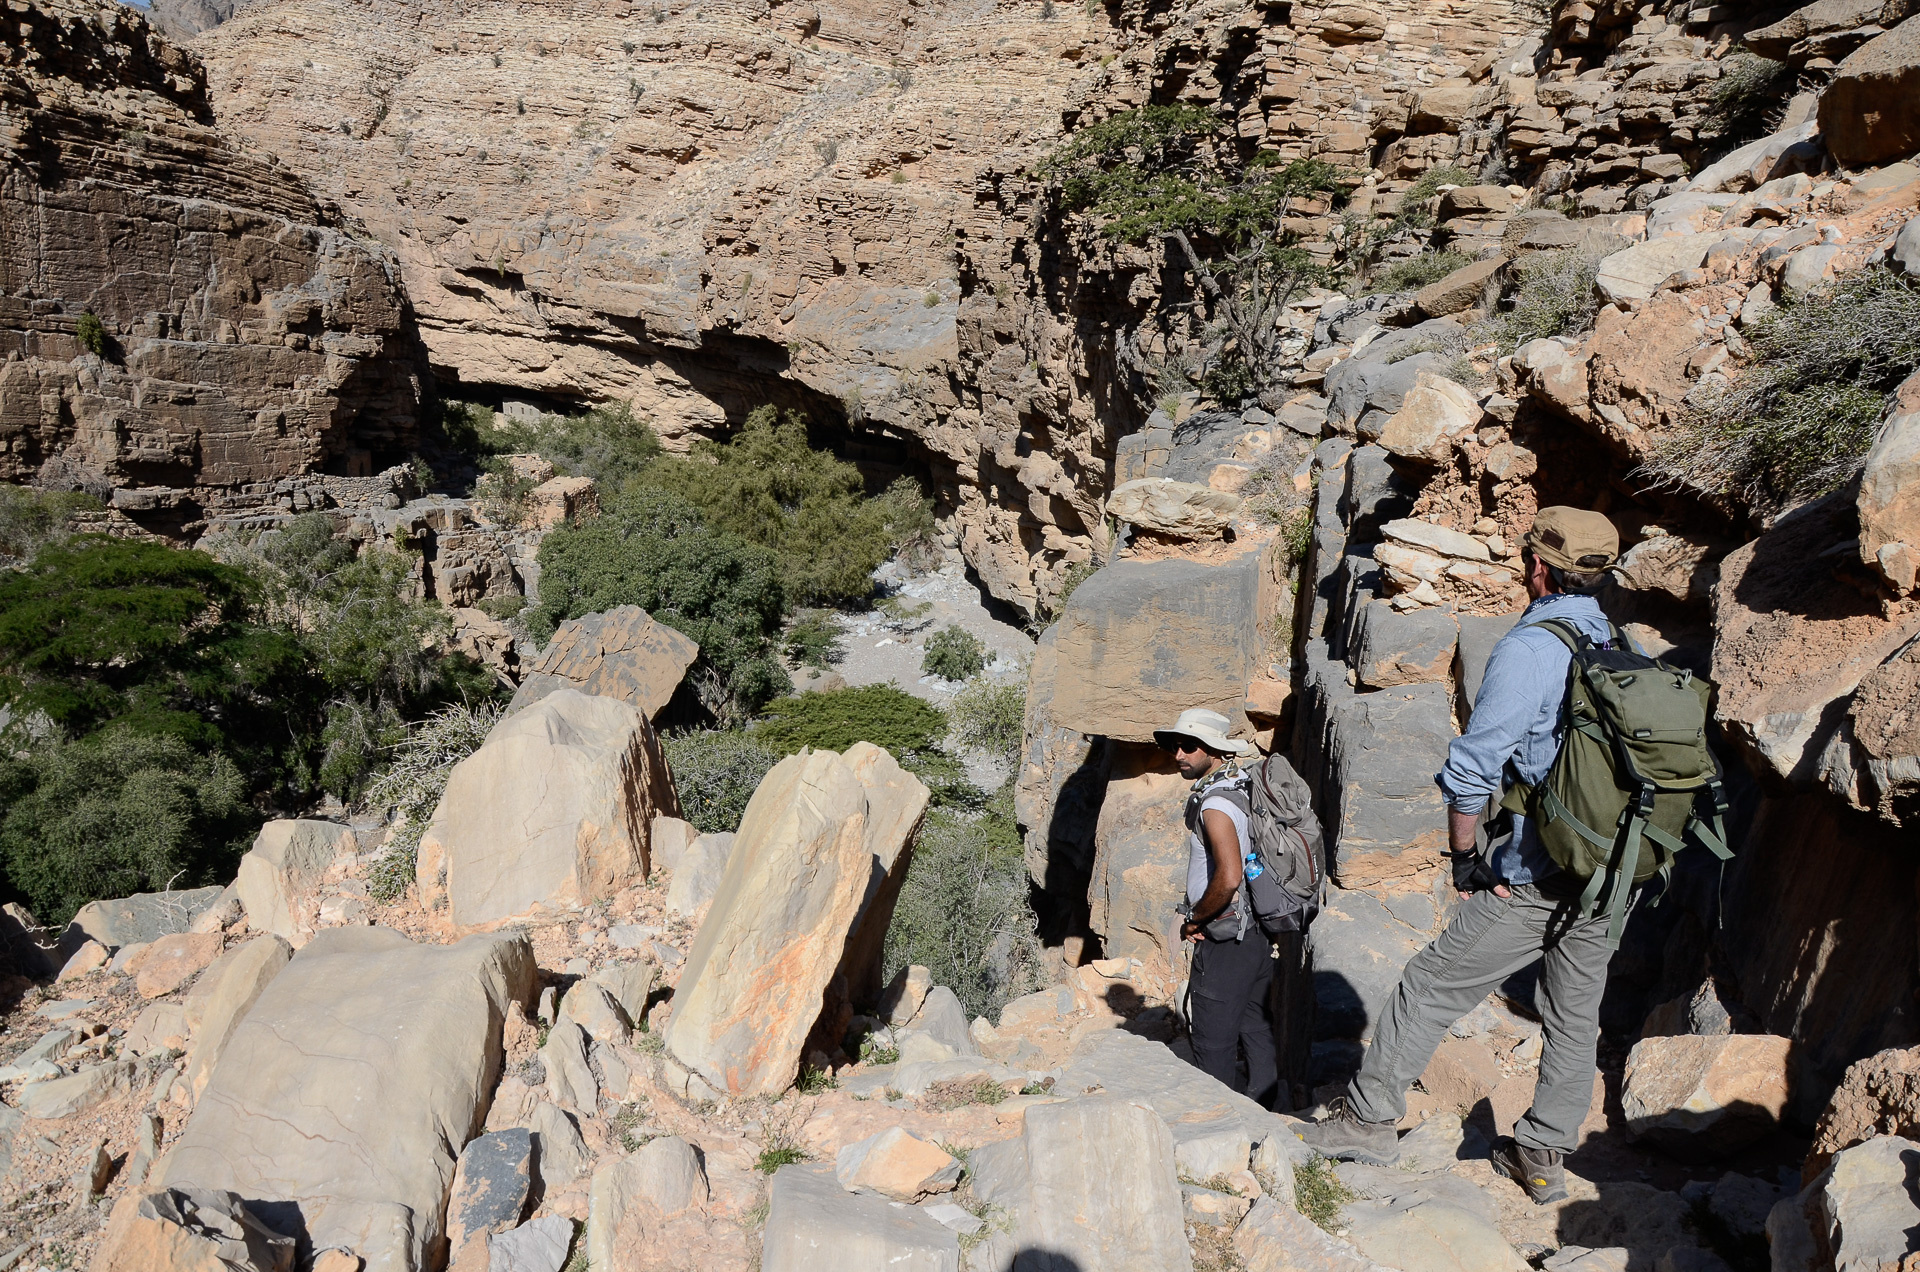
[
  {"x": 1548, "y": 294},
  {"x": 963, "y": 913},
  {"x": 716, "y": 773},
  {"x": 414, "y": 780},
  {"x": 91, "y": 334},
  {"x": 1416, "y": 272},
  {"x": 1797, "y": 421},
  {"x": 988, "y": 716},
  {"x": 30, "y": 519},
  {"x": 953, "y": 653}
]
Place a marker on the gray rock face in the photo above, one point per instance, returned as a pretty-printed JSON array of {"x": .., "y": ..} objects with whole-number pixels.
[
  {"x": 1129, "y": 1067},
  {"x": 1389, "y": 648},
  {"x": 1148, "y": 639},
  {"x": 1376, "y": 492},
  {"x": 620, "y": 654},
  {"x": 345, "y": 1088},
  {"x": 490, "y": 1186},
  {"x": 1479, "y": 633},
  {"x": 1866, "y": 1206},
  {"x": 1359, "y": 950},
  {"x": 942, "y": 1018},
  {"x": 697, "y": 877},
  {"x": 144, "y": 916},
  {"x": 815, "y": 1225},
  {"x": 1382, "y": 809}
]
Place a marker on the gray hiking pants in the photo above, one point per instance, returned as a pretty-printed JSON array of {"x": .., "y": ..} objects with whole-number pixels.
[{"x": 1488, "y": 940}]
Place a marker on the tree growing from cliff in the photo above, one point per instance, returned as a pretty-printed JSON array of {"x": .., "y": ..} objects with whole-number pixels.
[{"x": 1178, "y": 173}]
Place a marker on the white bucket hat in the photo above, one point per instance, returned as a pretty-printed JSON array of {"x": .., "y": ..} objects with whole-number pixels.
[{"x": 1204, "y": 726}]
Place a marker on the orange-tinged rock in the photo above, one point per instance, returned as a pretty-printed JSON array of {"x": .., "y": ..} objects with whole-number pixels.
[{"x": 172, "y": 961}]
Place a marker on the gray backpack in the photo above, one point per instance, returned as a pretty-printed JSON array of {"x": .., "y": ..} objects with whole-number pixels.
[{"x": 1284, "y": 884}]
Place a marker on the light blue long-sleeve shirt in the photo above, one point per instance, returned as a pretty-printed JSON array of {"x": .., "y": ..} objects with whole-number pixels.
[{"x": 1519, "y": 717}]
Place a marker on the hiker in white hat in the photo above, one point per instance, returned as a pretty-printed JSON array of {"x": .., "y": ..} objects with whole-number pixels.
[{"x": 1229, "y": 1014}]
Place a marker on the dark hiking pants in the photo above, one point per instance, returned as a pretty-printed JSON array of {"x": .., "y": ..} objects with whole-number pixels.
[
  {"x": 1489, "y": 939},
  {"x": 1231, "y": 1017}
]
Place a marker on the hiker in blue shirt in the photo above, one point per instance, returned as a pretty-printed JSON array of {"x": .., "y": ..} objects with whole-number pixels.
[{"x": 1513, "y": 910}]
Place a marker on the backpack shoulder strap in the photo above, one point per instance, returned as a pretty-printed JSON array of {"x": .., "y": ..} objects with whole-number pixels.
[{"x": 1570, "y": 636}]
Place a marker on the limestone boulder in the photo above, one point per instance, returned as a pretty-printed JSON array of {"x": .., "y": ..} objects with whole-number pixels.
[
  {"x": 1173, "y": 509},
  {"x": 1145, "y": 640},
  {"x": 172, "y": 961},
  {"x": 650, "y": 1212},
  {"x": 896, "y": 807},
  {"x": 1093, "y": 1182},
  {"x": 554, "y": 812},
  {"x": 697, "y": 877},
  {"x": 1379, "y": 802},
  {"x": 1866, "y": 1207},
  {"x": 222, "y": 998},
  {"x": 559, "y": 499},
  {"x": 1389, "y": 647},
  {"x": 1428, "y": 1236},
  {"x": 279, "y": 879},
  {"x": 1359, "y": 949},
  {"x": 344, "y": 1091},
  {"x": 751, "y": 991},
  {"x": 143, "y": 917},
  {"x": 1889, "y": 498},
  {"x": 1636, "y": 272},
  {"x": 815, "y": 1225},
  {"x": 897, "y": 1164},
  {"x": 1463, "y": 288},
  {"x": 1705, "y": 1097},
  {"x": 1870, "y": 111},
  {"x": 1434, "y": 413},
  {"x": 622, "y": 653},
  {"x": 81, "y": 1092},
  {"x": 190, "y": 1230}
]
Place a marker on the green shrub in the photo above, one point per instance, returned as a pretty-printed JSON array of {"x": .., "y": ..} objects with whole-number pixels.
[
  {"x": 1428, "y": 183},
  {"x": 1417, "y": 271},
  {"x": 91, "y": 334},
  {"x": 963, "y": 912},
  {"x": 989, "y": 716},
  {"x": 653, "y": 549},
  {"x": 953, "y": 653},
  {"x": 1319, "y": 1192},
  {"x": 1749, "y": 95},
  {"x": 716, "y": 773},
  {"x": 30, "y": 519},
  {"x": 1798, "y": 420},
  {"x": 814, "y": 640},
  {"x": 1549, "y": 294},
  {"x": 880, "y": 714},
  {"x": 117, "y": 813},
  {"x": 773, "y": 489}
]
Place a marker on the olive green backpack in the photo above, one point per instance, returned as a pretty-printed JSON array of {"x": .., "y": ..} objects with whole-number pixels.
[{"x": 1634, "y": 777}]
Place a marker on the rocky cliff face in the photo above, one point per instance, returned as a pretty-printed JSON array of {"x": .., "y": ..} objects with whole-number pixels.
[
  {"x": 237, "y": 338},
  {"x": 697, "y": 209}
]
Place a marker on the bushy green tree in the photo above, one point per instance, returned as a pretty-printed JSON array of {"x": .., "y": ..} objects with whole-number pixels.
[
  {"x": 116, "y": 813},
  {"x": 768, "y": 485},
  {"x": 97, "y": 630},
  {"x": 653, "y": 549},
  {"x": 1179, "y": 173},
  {"x": 833, "y": 721},
  {"x": 716, "y": 772},
  {"x": 814, "y": 640},
  {"x": 953, "y": 653}
]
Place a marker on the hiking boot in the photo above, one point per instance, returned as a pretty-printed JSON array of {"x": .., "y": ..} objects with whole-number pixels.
[
  {"x": 1537, "y": 1170},
  {"x": 1343, "y": 1136}
]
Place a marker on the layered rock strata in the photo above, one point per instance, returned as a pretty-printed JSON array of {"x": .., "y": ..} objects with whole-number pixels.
[{"x": 184, "y": 328}]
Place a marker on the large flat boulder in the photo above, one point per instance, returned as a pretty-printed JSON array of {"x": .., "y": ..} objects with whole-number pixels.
[
  {"x": 143, "y": 917},
  {"x": 1705, "y": 1096},
  {"x": 815, "y": 1225},
  {"x": 1870, "y": 111},
  {"x": 896, "y": 807},
  {"x": 775, "y": 934},
  {"x": 1866, "y": 1207},
  {"x": 1173, "y": 509},
  {"x": 340, "y": 1104},
  {"x": 1140, "y": 861},
  {"x": 553, "y": 813},
  {"x": 221, "y": 999},
  {"x": 1385, "y": 815},
  {"x": 622, "y": 654},
  {"x": 1091, "y": 1181},
  {"x": 1145, "y": 640},
  {"x": 1360, "y": 947}
]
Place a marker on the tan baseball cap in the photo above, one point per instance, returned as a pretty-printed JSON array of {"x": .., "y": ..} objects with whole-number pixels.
[{"x": 1574, "y": 539}]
